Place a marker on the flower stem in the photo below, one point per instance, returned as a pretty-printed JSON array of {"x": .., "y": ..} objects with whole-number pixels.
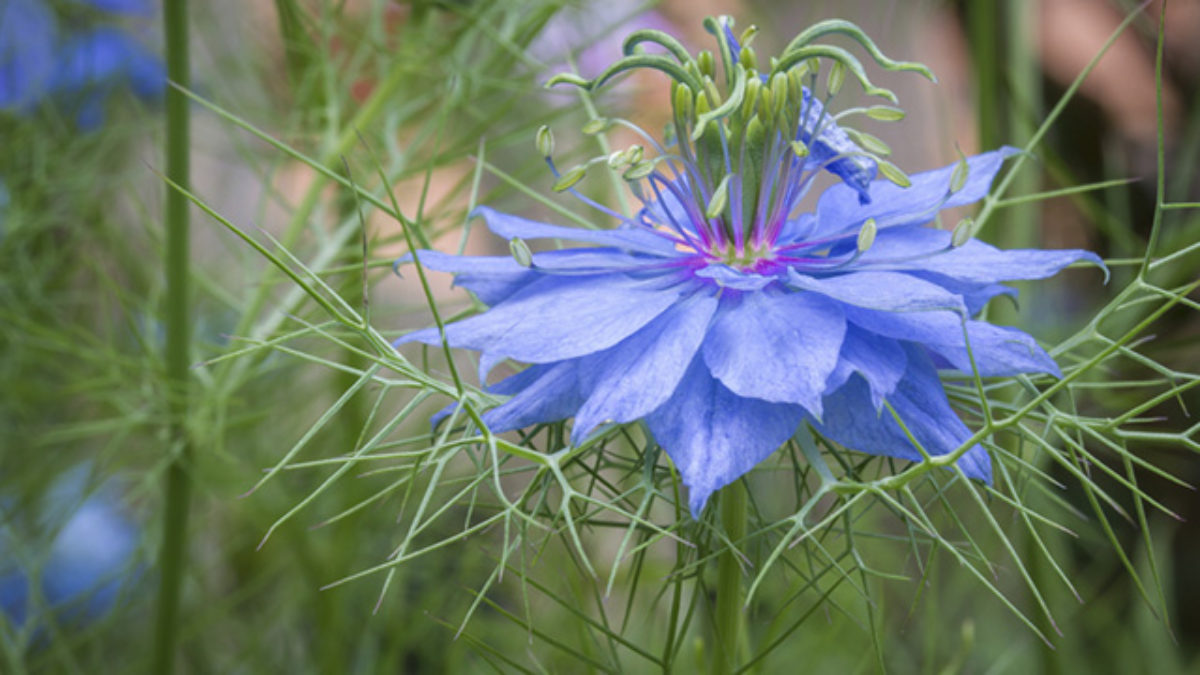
[
  {"x": 172, "y": 555},
  {"x": 730, "y": 616}
]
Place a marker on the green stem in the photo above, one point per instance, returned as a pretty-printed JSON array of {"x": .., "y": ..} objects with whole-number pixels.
[
  {"x": 172, "y": 556},
  {"x": 730, "y": 616}
]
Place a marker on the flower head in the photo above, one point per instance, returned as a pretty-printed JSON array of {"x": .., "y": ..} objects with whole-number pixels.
[
  {"x": 79, "y": 68},
  {"x": 725, "y": 318}
]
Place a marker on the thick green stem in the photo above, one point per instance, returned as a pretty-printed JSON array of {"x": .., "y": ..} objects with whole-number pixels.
[
  {"x": 730, "y": 613},
  {"x": 172, "y": 556}
]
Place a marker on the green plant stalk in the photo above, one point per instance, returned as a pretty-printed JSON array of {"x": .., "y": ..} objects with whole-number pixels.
[
  {"x": 729, "y": 618},
  {"x": 172, "y": 555}
]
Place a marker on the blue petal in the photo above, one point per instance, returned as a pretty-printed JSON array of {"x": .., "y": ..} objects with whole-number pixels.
[
  {"x": 144, "y": 7},
  {"x": 510, "y": 227},
  {"x": 544, "y": 393},
  {"x": 714, "y": 436},
  {"x": 778, "y": 347},
  {"x": 851, "y": 164},
  {"x": 728, "y": 277},
  {"x": 640, "y": 374},
  {"x": 975, "y": 296},
  {"x": 889, "y": 291},
  {"x": 556, "y": 318},
  {"x": 490, "y": 278},
  {"x": 881, "y": 361},
  {"x": 928, "y": 249},
  {"x": 998, "y": 351},
  {"x": 852, "y": 421},
  {"x": 839, "y": 209}
]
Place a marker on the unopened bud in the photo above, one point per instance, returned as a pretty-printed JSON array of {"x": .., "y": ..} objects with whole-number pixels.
[
  {"x": 568, "y": 179},
  {"x": 598, "y": 125},
  {"x": 962, "y": 232},
  {"x": 639, "y": 171},
  {"x": 866, "y": 235},
  {"x": 893, "y": 173},
  {"x": 885, "y": 113},
  {"x": 958, "y": 178},
  {"x": 544, "y": 140},
  {"x": 720, "y": 197},
  {"x": 837, "y": 77},
  {"x": 520, "y": 252}
]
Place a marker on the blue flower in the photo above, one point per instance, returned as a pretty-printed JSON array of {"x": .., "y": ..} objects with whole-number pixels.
[
  {"x": 80, "y": 69},
  {"x": 28, "y": 33},
  {"x": 86, "y": 564},
  {"x": 725, "y": 322}
]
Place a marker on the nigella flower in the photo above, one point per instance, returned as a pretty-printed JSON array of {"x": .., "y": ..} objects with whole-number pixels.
[
  {"x": 725, "y": 319},
  {"x": 80, "y": 68}
]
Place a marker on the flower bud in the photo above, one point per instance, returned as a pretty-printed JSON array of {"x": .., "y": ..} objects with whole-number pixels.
[
  {"x": 598, "y": 125},
  {"x": 720, "y": 197},
  {"x": 639, "y": 171},
  {"x": 893, "y": 173},
  {"x": 962, "y": 232},
  {"x": 885, "y": 113},
  {"x": 544, "y": 140},
  {"x": 568, "y": 179},
  {"x": 837, "y": 77},
  {"x": 866, "y": 235},
  {"x": 520, "y": 252}
]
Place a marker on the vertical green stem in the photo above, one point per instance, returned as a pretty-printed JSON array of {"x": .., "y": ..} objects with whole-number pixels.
[
  {"x": 730, "y": 616},
  {"x": 178, "y": 482}
]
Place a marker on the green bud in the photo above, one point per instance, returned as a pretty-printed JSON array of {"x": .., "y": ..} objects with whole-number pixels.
[
  {"x": 684, "y": 102},
  {"x": 800, "y": 149},
  {"x": 747, "y": 57},
  {"x": 885, "y": 113},
  {"x": 837, "y": 77},
  {"x": 779, "y": 92},
  {"x": 570, "y": 178},
  {"x": 869, "y": 143},
  {"x": 748, "y": 35},
  {"x": 893, "y": 173},
  {"x": 753, "y": 85},
  {"x": 720, "y": 197},
  {"x": 639, "y": 171},
  {"x": 520, "y": 252},
  {"x": 598, "y": 125},
  {"x": 962, "y": 170},
  {"x": 962, "y": 232},
  {"x": 706, "y": 64},
  {"x": 544, "y": 140},
  {"x": 634, "y": 154},
  {"x": 710, "y": 89},
  {"x": 617, "y": 159},
  {"x": 866, "y": 235}
]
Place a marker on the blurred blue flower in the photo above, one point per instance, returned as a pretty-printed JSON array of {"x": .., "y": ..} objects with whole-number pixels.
[
  {"x": 28, "y": 34},
  {"x": 78, "y": 70},
  {"x": 122, "y": 6},
  {"x": 726, "y": 318},
  {"x": 85, "y": 566}
]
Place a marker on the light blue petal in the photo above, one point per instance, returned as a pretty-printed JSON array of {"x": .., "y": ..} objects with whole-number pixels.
[
  {"x": 556, "y": 318},
  {"x": 778, "y": 347},
  {"x": 544, "y": 393},
  {"x": 490, "y": 278},
  {"x": 839, "y": 209},
  {"x": 975, "y": 296},
  {"x": 714, "y": 436},
  {"x": 889, "y": 291},
  {"x": 633, "y": 239},
  {"x": 998, "y": 351},
  {"x": 928, "y": 249},
  {"x": 852, "y": 421},
  {"x": 881, "y": 361},
  {"x": 640, "y": 374},
  {"x": 726, "y": 276}
]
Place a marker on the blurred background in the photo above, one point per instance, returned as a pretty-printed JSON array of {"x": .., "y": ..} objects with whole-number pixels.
[{"x": 443, "y": 98}]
